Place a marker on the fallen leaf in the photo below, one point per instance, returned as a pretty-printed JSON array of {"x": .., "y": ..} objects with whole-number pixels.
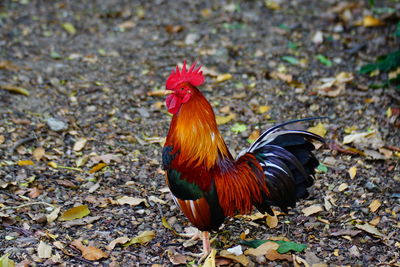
[
  {"x": 370, "y": 21},
  {"x": 38, "y": 153},
  {"x": 53, "y": 215},
  {"x": 133, "y": 201},
  {"x": 176, "y": 258},
  {"x": 75, "y": 213},
  {"x": 142, "y": 239},
  {"x": 286, "y": 246},
  {"x": 342, "y": 187},
  {"x": 353, "y": 172},
  {"x": 25, "y": 162},
  {"x": 312, "y": 210},
  {"x": 262, "y": 249},
  {"x": 253, "y": 136},
  {"x": 263, "y": 109},
  {"x": 34, "y": 192},
  {"x": 242, "y": 259},
  {"x": 90, "y": 253},
  {"x": 318, "y": 129},
  {"x": 15, "y": 89},
  {"x": 127, "y": 25},
  {"x": 5, "y": 261},
  {"x": 157, "y": 200},
  {"x": 106, "y": 158},
  {"x": 44, "y": 250},
  {"x": 53, "y": 164},
  {"x": 273, "y": 255},
  {"x": 223, "y": 77},
  {"x": 224, "y": 119},
  {"x": 374, "y": 206},
  {"x": 375, "y": 221},
  {"x": 2, "y": 139},
  {"x": 69, "y": 27},
  {"x": 272, "y": 221},
  {"x": 346, "y": 232},
  {"x": 8, "y": 65},
  {"x": 210, "y": 260},
  {"x": 119, "y": 240},
  {"x": 238, "y": 128},
  {"x": 79, "y": 144},
  {"x": 369, "y": 229},
  {"x": 97, "y": 167},
  {"x": 356, "y": 136}
]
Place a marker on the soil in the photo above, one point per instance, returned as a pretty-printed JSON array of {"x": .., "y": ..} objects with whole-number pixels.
[{"x": 92, "y": 71}]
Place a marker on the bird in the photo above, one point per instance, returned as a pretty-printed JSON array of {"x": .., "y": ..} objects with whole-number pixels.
[{"x": 207, "y": 183}]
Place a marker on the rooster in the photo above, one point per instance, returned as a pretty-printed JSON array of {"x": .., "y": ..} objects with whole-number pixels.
[{"x": 207, "y": 183}]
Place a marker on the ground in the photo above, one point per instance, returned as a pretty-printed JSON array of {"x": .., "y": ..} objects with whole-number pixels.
[{"x": 79, "y": 86}]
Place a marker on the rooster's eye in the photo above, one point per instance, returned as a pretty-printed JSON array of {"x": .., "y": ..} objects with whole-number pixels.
[{"x": 182, "y": 88}]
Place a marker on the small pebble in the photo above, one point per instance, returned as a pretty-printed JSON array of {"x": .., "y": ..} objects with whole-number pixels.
[{"x": 56, "y": 125}]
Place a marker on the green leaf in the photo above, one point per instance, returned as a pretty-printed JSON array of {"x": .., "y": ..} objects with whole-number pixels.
[
  {"x": 55, "y": 55},
  {"x": 69, "y": 27},
  {"x": 324, "y": 60},
  {"x": 386, "y": 62},
  {"x": 291, "y": 60},
  {"x": 286, "y": 246},
  {"x": 284, "y": 27},
  {"x": 253, "y": 243},
  {"x": 292, "y": 45},
  {"x": 238, "y": 128},
  {"x": 397, "y": 32},
  {"x": 322, "y": 168}
]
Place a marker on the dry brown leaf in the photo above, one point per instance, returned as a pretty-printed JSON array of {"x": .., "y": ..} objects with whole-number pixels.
[
  {"x": 34, "y": 192},
  {"x": 262, "y": 249},
  {"x": 312, "y": 209},
  {"x": 157, "y": 200},
  {"x": 318, "y": 129},
  {"x": 374, "y": 206},
  {"x": 143, "y": 238},
  {"x": 176, "y": 258},
  {"x": 273, "y": 255},
  {"x": 90, "y": 253},
  {"x": 106, "y": 158},
  {"x": 38, "y": 153},
  {"x": 272, "y": 221},
  {"x": 2, "y": 139},
  {"x": 375, "y": 221},
  {"x": 133, "y": 201},
  {"x": 44, "y": 250},
  {"x": 369, "y": 229},
  {"x": 343, "y": 187},
  {"x": 242, "y": 259},
  {"x": 53, "y": 215},
  {"x": 119, "y": 240},
  {"x": 126, "y": 25},
  {"x": 353, "y": 172},
  {"x": 370, "y": 21},
  {"x": 79, "y": 144}
]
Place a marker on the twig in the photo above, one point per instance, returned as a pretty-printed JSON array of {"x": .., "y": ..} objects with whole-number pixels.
[
  {"x": 22, "y": 141},
  {"x": 26, "y": 205},
  {"x": 19, "y": 229}
]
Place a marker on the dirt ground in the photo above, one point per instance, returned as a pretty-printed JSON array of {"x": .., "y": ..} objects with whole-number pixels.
[{"x": 81, "y": 123}]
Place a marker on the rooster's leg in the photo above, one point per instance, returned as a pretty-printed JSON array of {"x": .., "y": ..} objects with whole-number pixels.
[{"x": 206, "y": 246}]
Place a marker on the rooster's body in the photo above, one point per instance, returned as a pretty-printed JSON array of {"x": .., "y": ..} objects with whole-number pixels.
[{"x": 207, "y": 183}]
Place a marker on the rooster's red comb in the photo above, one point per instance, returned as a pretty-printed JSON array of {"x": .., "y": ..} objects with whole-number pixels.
[{"x": 193, "y": 76}]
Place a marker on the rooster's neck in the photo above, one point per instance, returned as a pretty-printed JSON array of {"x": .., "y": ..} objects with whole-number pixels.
[{"x": 194, "y": 133}]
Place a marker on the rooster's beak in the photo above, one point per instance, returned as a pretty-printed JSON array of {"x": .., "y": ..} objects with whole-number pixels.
[{"x": 168, "y": 92}]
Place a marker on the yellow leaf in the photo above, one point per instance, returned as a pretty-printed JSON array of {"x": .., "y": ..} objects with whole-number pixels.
[
  {"x": 389, "y": 112},
  {"x": 25, "y": 162},
  {"x": 69, "y": 27},
  {"x": 80, "y": 144},
  {"x": 90, "y": 253},
  {"x": 370, "y": 21},
  {"x": 38, "y": 153},
  {"x": 272, "y": 221},
  {"x": 225, "y": 119},
  {"x": 97, "y": 167},
  {"x": 14, "y": 89},
  {"x": 318, "y": 129},
  {"x": 374, "y": 206},
  {"x": 224, "y": 77},
  {"x": 75, "y": 213},
  {"x": 263, "y": 109},
  {"x": 312, "y": 210},
  {"x": 353, "y": 172},
  {"x": 167, "y": 225},
  {"x": 375, "y": 221},
  {"x": 351, "y": 129},
  {"x": 210, "y": 260},
  {"x": 262, "y": 249},
  {"x": 5, "y": 261},
  {"x": 254, "y": 135},
  {"x": 53, "y": 164},
  {"x": 143, "y": 238}
]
